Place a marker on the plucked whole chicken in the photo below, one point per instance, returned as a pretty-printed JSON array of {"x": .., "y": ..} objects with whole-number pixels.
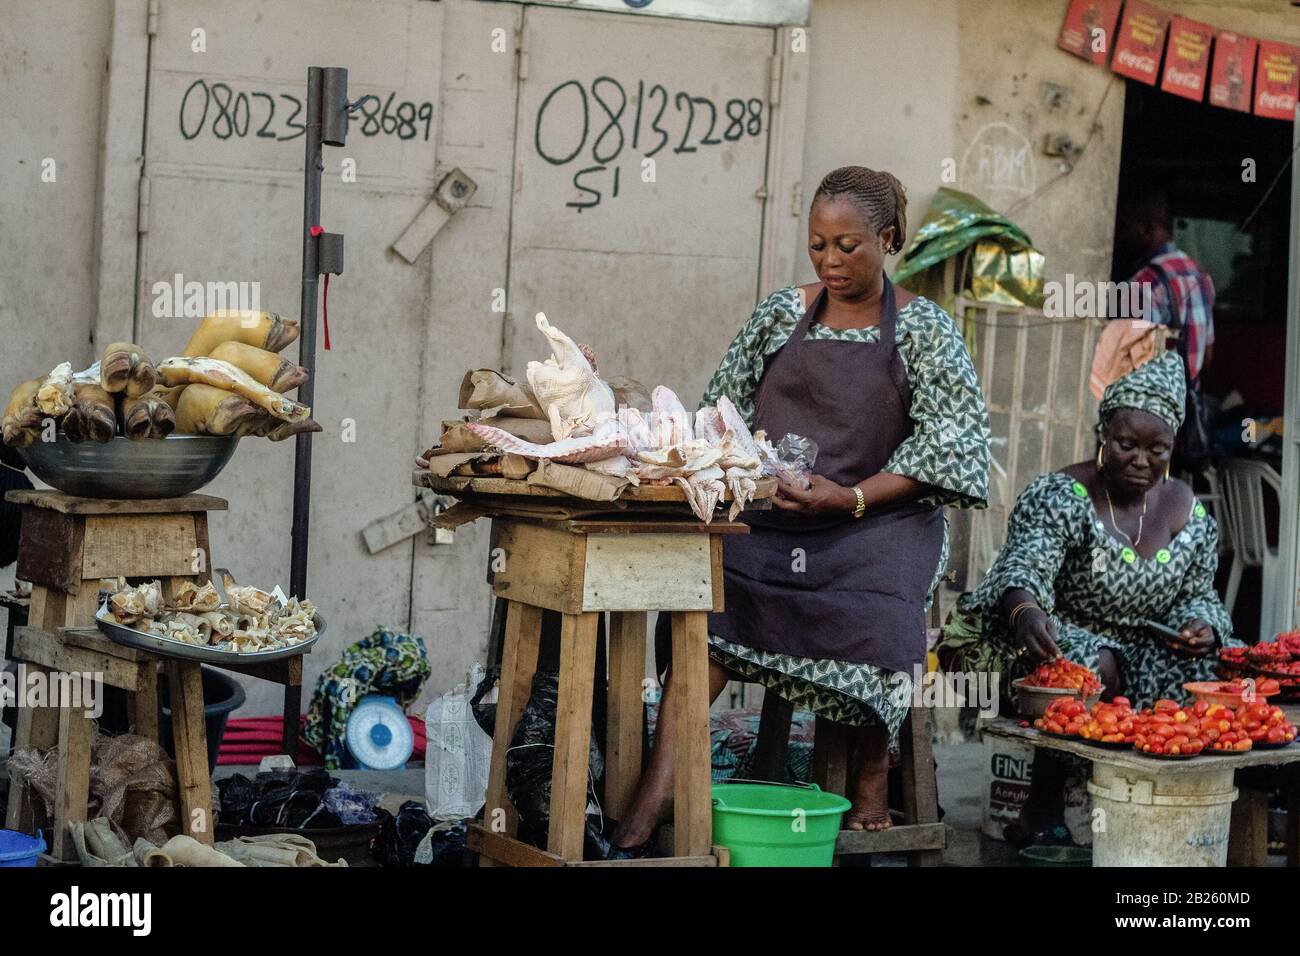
[{"x": 706, "y": 455}]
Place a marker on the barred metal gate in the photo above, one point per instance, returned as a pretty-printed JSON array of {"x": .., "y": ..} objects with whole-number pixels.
[{"x": 1034, "y": 374}]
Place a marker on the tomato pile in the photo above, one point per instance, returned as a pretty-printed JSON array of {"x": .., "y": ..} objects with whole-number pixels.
[
  {"x": 1065, "y": 675},
  {"x": 1169, "y": 729},
  {"x": 1065, "y": 715},
  {"x": 1262, "y": 687},
  {"x": 1111, "y": 723}
]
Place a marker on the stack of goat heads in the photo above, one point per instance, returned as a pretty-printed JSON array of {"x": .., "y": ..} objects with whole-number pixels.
[{"x": 229, "y": 381}]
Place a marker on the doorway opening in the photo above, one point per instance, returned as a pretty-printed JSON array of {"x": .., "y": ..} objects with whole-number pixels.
[{"x": 1215, "y": 167}]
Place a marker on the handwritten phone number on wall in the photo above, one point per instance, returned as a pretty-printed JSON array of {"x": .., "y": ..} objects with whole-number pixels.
[
  {"x": 705, "y": 124},
  {"x": 227, "y": 114}
]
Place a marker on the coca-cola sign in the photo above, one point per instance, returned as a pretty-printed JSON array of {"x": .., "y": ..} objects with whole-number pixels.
[
  {"x": 1187, "y": 58},
  {"x": 1277, "y": 80},
  {"x": 1233, "y": 71},
  {"x": 1140, "y": 41}
]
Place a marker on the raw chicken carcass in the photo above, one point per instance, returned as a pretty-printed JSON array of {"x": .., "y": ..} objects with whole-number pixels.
[
  {"x": 567, "y": 387},
  {"x": 734, "y": 423},
  {"x": 609, "y": 443},
  {"x": 640, "y": 436},
  {"x": 669, "y": 419},
  {"x": 708, "y": 425}
]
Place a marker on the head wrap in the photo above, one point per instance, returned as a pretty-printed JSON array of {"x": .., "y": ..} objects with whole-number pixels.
[{"x": 1158, "y": 386}]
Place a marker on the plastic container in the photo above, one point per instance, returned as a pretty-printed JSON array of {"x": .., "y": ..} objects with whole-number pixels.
[
  {"x": 1174, "y": 819},
  {"x": 1032, "y": 700},
  {"x": 20, "y": 849},
  {"x": 773, "y": 824},
  {"x": 1056, "y": 856},
  {"x": 221, "y": 695}
]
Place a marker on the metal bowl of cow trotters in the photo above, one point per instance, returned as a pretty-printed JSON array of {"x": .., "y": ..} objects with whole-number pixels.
[{"x": 129, "y": 468}]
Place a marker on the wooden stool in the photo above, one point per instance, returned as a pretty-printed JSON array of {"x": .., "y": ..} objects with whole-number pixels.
[
  {"x": 581, "y": 568},
  {"x": 67, "y": 545},
  {"x": 921, "y": 836}
]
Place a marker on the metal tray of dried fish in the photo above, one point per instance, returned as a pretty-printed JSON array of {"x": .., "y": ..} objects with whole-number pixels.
[{"x": 166, "y": 647}]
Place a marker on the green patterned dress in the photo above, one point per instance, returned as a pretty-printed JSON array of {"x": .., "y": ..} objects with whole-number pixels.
[
  {"x": 949, "y": 449},
  {"x": 1098, "y": 591}
]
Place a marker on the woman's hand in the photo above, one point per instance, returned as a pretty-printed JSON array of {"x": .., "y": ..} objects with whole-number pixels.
[
  {"x": 822, "y": 497},
  {"x": 1195, "y": 639},
  {"x": 1037, "y": 633}
]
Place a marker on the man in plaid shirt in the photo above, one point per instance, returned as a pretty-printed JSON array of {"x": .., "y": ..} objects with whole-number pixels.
[{"x": 1182, "y": 295}]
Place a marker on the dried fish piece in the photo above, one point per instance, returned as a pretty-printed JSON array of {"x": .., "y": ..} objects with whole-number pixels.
[
  {"x": 196, "y": 599},
  {"x": 132, "y": 604},
  {"x": 248, "y": 600}
]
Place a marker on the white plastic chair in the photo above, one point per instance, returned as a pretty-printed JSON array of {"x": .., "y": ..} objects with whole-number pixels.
[{"x": 1242, "y": 482}]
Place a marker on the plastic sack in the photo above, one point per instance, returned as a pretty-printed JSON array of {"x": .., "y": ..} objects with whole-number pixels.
[
  {"x": 457, "y": 753},
  {"x": 528, "y": 772},
  {"x": 351, "y": 805},
  {"x": 791, "y": 459},
  {"x": 413, "y": 838}
]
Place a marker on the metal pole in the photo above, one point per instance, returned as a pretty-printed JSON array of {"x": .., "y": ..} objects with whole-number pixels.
[{"x": 312, "y": 168}]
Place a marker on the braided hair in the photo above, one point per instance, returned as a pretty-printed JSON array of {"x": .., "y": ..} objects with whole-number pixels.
[{"x": 879, "y": 195}]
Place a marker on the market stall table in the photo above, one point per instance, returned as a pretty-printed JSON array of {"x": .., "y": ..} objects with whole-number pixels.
[
  {"x": 1247, "y": 840},
  {"x": 66, "y": 546},
  {"x": 581, "y": 559}
]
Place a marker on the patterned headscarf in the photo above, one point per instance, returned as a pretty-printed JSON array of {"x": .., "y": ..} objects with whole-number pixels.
[{"x": 1158, "y": 386}]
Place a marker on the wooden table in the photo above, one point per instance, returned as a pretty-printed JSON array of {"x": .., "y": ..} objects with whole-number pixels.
[
  {"x": 1248, "y": 839},
  {"x": 66, "y": 546},
  {"x": 627, "y": 565}
]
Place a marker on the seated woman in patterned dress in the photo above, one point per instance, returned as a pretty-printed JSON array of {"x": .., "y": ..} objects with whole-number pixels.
[{"x": 1094, "y": 552}]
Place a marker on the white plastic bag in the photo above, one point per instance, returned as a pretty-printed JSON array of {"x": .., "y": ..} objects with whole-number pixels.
[{"x": 457, "y": 753}]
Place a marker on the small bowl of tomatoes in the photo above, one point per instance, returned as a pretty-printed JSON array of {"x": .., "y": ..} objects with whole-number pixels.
[
  {"x": 1235, "y": 692},
  {"x": 1053, "y": 681}
]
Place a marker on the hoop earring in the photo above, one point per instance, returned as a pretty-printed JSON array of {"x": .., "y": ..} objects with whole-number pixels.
[
  {"x": 1100, "y": 458},
  {"x": 1167, "y": 470}
]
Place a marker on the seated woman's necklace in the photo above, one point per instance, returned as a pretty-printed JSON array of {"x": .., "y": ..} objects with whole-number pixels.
[{"x": 1115, "y": 524}]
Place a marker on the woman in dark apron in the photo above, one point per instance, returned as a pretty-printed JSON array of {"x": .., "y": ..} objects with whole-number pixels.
[{"x": 826, "y": 596}]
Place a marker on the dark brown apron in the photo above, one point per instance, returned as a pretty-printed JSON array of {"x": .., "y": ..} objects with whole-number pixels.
[{"x": 836, "y": 588}]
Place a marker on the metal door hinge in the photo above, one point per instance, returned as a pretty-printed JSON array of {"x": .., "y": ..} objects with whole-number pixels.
[
  {"x": 774, "y": 86},
  {"x": 152, "y": 26},
  {"x": 142, "y": 206}
]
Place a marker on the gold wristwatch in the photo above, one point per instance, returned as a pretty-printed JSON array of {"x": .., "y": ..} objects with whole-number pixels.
[{"x": 862, "y": 502}]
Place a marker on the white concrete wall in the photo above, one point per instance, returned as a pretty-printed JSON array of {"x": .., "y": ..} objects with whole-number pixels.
[
  {"x": 881, "y": 94},
  {"x": 52, "y": 59}
]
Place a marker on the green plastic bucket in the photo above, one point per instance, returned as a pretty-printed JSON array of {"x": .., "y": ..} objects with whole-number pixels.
[{"x": 774, "y": 824}]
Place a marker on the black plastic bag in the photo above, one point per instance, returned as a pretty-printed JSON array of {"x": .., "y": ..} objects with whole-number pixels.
[
  {"x": 291, "y": 800},
  {"x": 528, "y": 772},
  {"x": 399, "y": 838}
]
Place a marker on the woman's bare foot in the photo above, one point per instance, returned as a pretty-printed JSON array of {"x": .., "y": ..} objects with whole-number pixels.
[{"x": 871, "y": 820}]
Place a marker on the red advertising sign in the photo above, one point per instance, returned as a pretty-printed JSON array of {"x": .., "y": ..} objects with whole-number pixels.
[
  {"x": 1140, "y": 42},
  {"x": 1234, "y": 65},
  {"x": 1277, "y": 80},
  {"x": 1089, "y": 29},
  {"x": 1187, "y": 58}
]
